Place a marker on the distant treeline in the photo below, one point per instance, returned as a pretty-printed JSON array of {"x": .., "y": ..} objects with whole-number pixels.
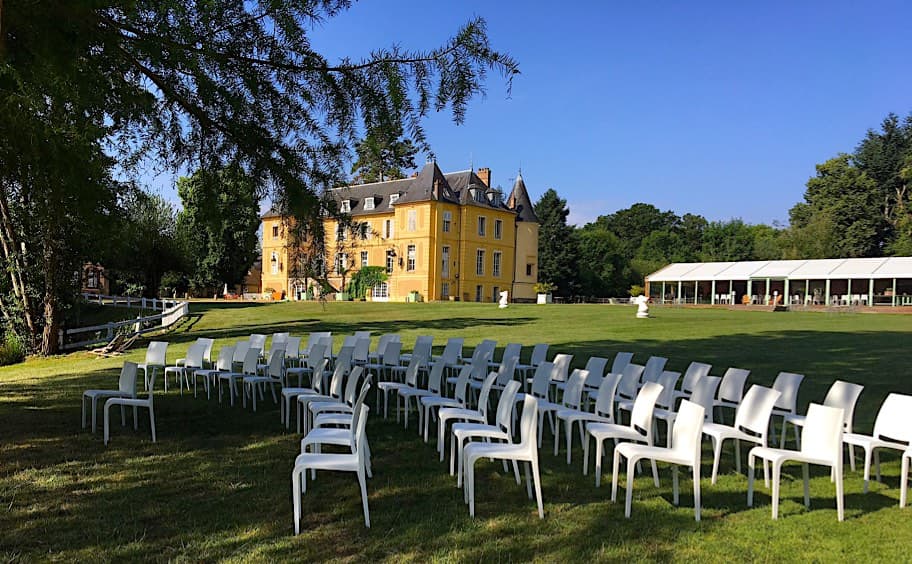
[{"x": 857, "y": 205}]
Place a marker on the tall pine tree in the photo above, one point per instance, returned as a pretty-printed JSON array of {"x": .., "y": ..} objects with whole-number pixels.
[{"x": 558, "y": 251}]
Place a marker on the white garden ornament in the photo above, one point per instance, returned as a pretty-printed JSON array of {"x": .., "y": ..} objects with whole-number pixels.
[
  {"x": 642, "y": 303},
  {"x": 504, "y": 298}
]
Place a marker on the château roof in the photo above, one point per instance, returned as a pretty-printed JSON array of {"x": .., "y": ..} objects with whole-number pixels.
[{"x": 520, "y": 202}]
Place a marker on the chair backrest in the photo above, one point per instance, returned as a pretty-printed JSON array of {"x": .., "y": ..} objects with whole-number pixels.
[
  {"x": 316, "y": 380},
  {"x": 506, "y": 370},
  {"x": 423, "y": 346},
  {"x": 604, "y": 402},
  {"x": 487, "y": 347},
  {"x": 573, "y": 393},
  {"x": 251, "y": 359},
  {"x": 787, "y": 383},
  {"x": 317, "y": 356},
  {"x": 359, "y": 420},
  {"x": 337, "y": 380},
  {"x": 452, "y": 350},
  {"x": 485, "y": 394},
  {"x": 822, "y": 434},
  {"x": 435, "y": 378},
  {"x": 411, "y": 373},
  {"x": 293, "y": 347},
  {"x": 461, "y": 392},
  {"x": 704, "y": 392},
  {"x": 345, "y": 357},
  {"x": 654, "y": 368},
  {"x": 479, "y": 365},
  {"x": 157, "y": 353},
  {"x": 541, "y": 381},
  {"x": 511, "y": 350},
  {"x": 280, "y": 337},
  {"x": 240, "y": 351},
  {"x": 731, "y": 388},
  {"x": 894, "y": 420},
  {"x": 621, "y": 360},
  {"x": 539, "y": 354},
  {"x": 630, "y": 381},
  {"x": 315, "y": 337},
  {"x": 276, "y": 348},
  {"x": 384, "y": 340},
  {"x": 363, "y": 335},
  {"x": 362, "y": 349},
  {"x": 327, "y": 342},
  {"x": 207, "y": 352},
  {"x": 349, "y": 341},
  {"x": 754, "y": 412},
  {"x": 695, "y": 371},
  {"x": 668, "y": 381},
  {"x": 195, "y": 355},
  {"x": 276, "y": 367},
  {"x": 257, "y": 341},
  {"x": 351, "y": 385},
  {"x": 595, "y": 366},
  {"x": 504, "y": 416},
  {"x": 643, "y": 408},
  {"x": 688, "y": 430},
  {"x": 225, "y": 358},
  {"x": 844, "y": 395},
  {"x": 528, "y": 427},
  {"x": 391, "y": 353},
  {"x": 561, "y": 367},
  {"x": 127, "y": 382}
]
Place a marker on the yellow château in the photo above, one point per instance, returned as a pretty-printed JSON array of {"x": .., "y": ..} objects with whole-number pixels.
[{"x": 439, "y": 237}]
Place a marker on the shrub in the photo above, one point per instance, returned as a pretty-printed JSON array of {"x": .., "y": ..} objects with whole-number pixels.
[
  {"x": 544, "y": 288},
  {"x": 12, "y": 350},
  {"x": 365, "y": 279},
  {"x": 636, "y": 290}
]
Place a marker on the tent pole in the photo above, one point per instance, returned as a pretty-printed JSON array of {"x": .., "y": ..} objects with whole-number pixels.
[{"x": 827, "y": 296}]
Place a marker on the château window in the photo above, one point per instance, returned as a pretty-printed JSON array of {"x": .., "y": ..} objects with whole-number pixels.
[
  {"x": 445, "y": 262},
  {"x": 498, "y": 229},
  {"x": 445, "y": 290},
  {"x": 410, "y": 258},
  {"x": 364, "y": 259},
  {"x": 479, "y": 292},
  {"x": 340, "y": 232},
  {"x": 369, "y": 203},
  {"x": 390, "y": 262},
  {"x": 388, "y": 229},
  {"x": 412, "y": 220},
  {"x": 528, "y": 269},
  {"x": 346, "y": 206},
  {"x": 482, "y": 226},
  {"x": 275, "y": 231},
  {"x": 393, "y": 199},
  {"x": 479, "y": 262},
  {"x": 497, "y": 261},
  {"x": 447, "y": 219}
]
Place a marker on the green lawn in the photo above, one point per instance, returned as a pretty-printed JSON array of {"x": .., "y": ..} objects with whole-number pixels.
[{"x": 217, "y": 484}]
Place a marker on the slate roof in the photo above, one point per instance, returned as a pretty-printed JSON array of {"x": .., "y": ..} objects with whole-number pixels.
[
  {"x": 430, "y": 184},
  {"x": 519, "y": 201}
]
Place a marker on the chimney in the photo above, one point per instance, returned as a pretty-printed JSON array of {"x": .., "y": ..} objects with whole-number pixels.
[{"x": 485, "y": 175}]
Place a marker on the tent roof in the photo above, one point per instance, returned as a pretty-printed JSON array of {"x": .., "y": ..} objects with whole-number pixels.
[{"x": 818, "y": 269}]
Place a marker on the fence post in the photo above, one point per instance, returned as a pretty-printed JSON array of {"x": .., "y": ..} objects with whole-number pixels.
[
  {"x": 60, "y": 336},
  {"x": 110, "y": 331}
]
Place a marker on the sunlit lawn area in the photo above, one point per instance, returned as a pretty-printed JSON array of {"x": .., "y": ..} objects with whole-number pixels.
[{"x": 217, "y": 484}]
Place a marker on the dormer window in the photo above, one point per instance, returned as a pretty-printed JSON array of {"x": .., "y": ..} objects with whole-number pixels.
[
  {"x": 393, "y": 199},
  {"x": 369, "y": 203},
  {"x": 346, "y": 206},
  {"x": 473, "y": 193},
  {"x": 495, "y": 198}
]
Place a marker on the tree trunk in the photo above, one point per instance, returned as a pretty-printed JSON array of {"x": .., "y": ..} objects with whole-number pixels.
[
  {"x": 11, "y": 251},
  {"x": 50, "y": 337}
]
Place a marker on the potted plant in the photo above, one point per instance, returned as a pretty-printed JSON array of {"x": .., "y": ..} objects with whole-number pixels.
[{"x": 544, "y": 290}]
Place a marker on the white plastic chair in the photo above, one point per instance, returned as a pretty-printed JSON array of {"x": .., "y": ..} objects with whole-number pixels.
[
  {"x": 787, "y": 384},
  {"x": 210, "y": 375},
  {"x": 275, "y": 376},
  {"x": 135, "y": 403},
  {"x": 156, "y": 358},
  {"x": 822, "y": 445},
  {"x": 684, "y": 451},
  {"x": 630, "y": 383},
  {"x": 510, "y": 351},
  {"x": 539, "y": 355},
  {"x": 240, "y": 353},
  {"x": 604, "y": 411},
  {"x": 361, "y": 351},
  {"x": 430, "y": 403},
  {"x": 654, "y": 368},
  {"x": 411, "y": 381},
  {"x": 251, "y": 358},
  {"x": 456, "y": 414},
  {"x": 126, "y": 388},
  {"x": 336, "y": 383},
  {"x": 452, "y": 353},
  {"x": 664, "y": 408},
  {"x": 194, "y": 361},
  {"x": 639, "y": 430},
  {"x": 318, "y": 366},
  {"x": 731, "y": 390},
  {"x": 621, "y": 360},
  {"x": 524, "y": 451},
  {"x": 572, "y": 401},
  {"x": 388, "y": 360},
  {"x": 410, "y": 391},
  {"x": 257, "y": 341},
  {"x": 695, "y": 371},
  {"x": 843, "y": 395},
  {"x": 501, "y": 430},
  {"x": 377, "y": 355},
  {"x": 344, "y": 405},
  {"x": 892, "y": 428},
  {"x": 343, "y": 462},
  {"x": 207, "y": 352},
  {"x": 423, "y": 346},
  {"x": 751, "y": 425},
  {"x": 292, "y": 352}
]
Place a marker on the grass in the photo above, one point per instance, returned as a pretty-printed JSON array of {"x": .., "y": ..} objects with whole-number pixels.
[{"x": 217, "y": 484}]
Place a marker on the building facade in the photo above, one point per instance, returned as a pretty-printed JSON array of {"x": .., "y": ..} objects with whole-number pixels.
[{"x": 438, "y": 236}]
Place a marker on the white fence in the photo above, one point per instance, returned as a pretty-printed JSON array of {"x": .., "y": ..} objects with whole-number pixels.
[{"x": 171, "y": 312}]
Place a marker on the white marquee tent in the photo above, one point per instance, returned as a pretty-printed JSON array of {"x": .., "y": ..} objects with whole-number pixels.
[{"x": 856, "y": 281}]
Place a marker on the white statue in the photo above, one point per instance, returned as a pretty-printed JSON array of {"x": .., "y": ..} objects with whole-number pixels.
[
  {"x": 504, "y": 298},
  {"x": 642, "y": 303}
]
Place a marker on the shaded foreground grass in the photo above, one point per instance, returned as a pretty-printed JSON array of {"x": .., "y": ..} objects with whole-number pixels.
[{"x": 216, "y": 485}]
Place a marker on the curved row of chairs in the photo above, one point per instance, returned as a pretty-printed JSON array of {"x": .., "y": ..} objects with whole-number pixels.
[{"x": 624, "y": 404}]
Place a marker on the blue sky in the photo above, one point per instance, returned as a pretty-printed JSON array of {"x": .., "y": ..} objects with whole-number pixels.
[{"x": 716, "y": 108}]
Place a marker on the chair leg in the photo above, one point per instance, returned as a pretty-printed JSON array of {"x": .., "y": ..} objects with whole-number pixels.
[
  {"x": 867, "y": 468},
  {"x": 94, "y": 413},
  {"x": 598, "y": 462},
  {"x": 777, "y": 471},
  {"x": 615, "y": 467},
  {"x": 107, "y": 421},
  {"x": 363, "y": 484},
  {"x": 83, "y": 412},
  {"x": 805, "y": 474},
  {"x": 750, "y": 480},
  {"x": 675, "y": 498},
  {"x": 629, "y": 496},
  {"x": 538, "y": 494},
  {"x": 568, "y": 431},
  {"x": 152, "y": 421},
  {"x": 655, "y": 472},
  {"x": 717, "y": 454},
  {"x": 903, "y": 481},
  {"x": 840, "y": 501},
  {"x": 296, "y": 476},
  {"x": 586, "y": 456},
  {"x": 698, "y": 506}
]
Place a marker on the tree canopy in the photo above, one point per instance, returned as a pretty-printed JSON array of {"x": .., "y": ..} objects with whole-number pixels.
[{"x": 97, "y": 90}]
